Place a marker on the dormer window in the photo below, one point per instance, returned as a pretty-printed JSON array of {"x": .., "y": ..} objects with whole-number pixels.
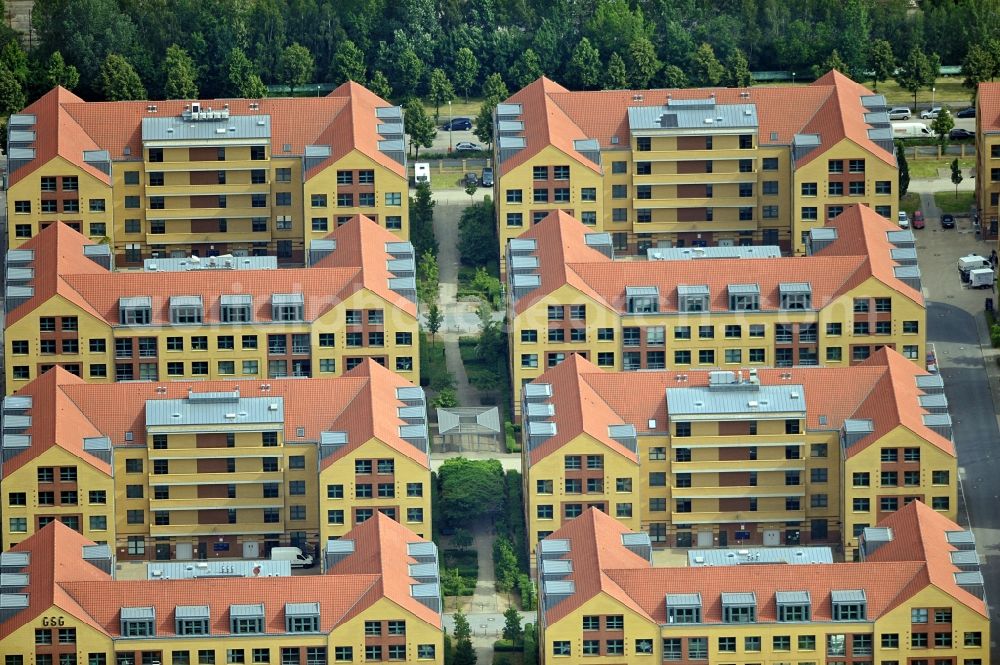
[
  {"x": 302, "y": 617},
  {"x": 744, "y": 297},
  {"x": 739, "y": 607},
  {"x": 136, "y": 311},
  {"x": 287, "y": 307},
  {"x": 186, "y": 310},
  {"x": 796, "y": 295},
  {"x": 246, "y": 619},
  {"x": 191, "y": 619},
  {"x": 793, "y": 605},
  {"x": 692, "y": 298},
  {"x": 138, "y": 621},
  {"x": 849, "y": 605},
  {"x": 642, "y": 299},
  {"x": 683, "y": 608},
  {"x": 236, "y": 308}
]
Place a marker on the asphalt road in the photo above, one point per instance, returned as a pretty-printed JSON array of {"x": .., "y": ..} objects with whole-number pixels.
[{"x": 956, "y": 326}]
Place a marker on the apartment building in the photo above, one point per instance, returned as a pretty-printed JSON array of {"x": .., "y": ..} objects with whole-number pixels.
[
  {"x": 178, "y": 178},
  {"x": 727, "y": 307},
  {"x": 694, "y": 167},
  {"x": 988, "y": 157},
  {"x": 217, "y": 318},
  {"x": 218, "y": 469},
  {"x": 917, "y": 597},
  {"x": 799, "y": 456},
  {"x": 377, "y": 601}
]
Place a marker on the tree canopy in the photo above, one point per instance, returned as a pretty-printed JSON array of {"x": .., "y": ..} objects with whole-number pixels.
[{"x": 470, "y": 489}]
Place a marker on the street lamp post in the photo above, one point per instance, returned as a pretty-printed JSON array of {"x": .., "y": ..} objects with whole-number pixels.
[
  {"x": 450, "y": 122},
  {"x": 793, "y": 78},
  {"x": 933, "y": 90}
]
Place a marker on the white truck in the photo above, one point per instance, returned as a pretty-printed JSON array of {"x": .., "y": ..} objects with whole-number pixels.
[
  {"x": 421, "y": 172},
  {"x": 293, "y": 555},
  {"x": 906, "y": 130},
  {"x": 970, "y": 262},
  {"x": 981, "y": 278}
]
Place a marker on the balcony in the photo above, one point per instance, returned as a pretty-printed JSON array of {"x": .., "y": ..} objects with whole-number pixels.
[
  {"x": 758, "y": 516},
  {"x": 736, "y": 491},
  {"x": 236, "y": 478},
  {"x": 210, "y": 165},
  {"x": 215, "y": 238},
  {"x": 758, "y": 440},
  {"x": 739, "y": 466},
  {"x": 230, "y": 212},
  {"x": 233, "y": 189},
  {"x": 244, "y": 528},
  {"x": 241, "y": 452},
  {"x": 714, "y": 178},
  {"x": 215, "y": 503}
]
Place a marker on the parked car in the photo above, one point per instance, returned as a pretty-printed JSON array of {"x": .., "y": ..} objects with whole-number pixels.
[
  {"x": 918, "y": 219},
  {"x": 900, "y": 113},
  {"x": 487, "y": 179},
  {"x": 904, "y": 220},
  {"x": 470, "y": 179},
  {"x": 958, "y": 134},
  {"x": 457, "y": 124},
  {"x": 468, "y": 146},
  {"x": 947, "y": 221},
  {"x": 967, "y": 113},
  {"x": 931, "y": 113}
]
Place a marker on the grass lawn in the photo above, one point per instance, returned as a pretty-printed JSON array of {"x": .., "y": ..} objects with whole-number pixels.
[
  {"x": 960, "y": 204},
  {"x": 459, "y": 109},
  {"x": 928, "y": 168},
  {"x": 910, "y": 203},
  {"x": 448, "y": 179},
  {"x": 948, "y": 91}
]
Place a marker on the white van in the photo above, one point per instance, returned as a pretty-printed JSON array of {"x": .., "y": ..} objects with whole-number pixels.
[
  {"x": 421, "y": 172},
  {"x": 293, "y": 555},
  {"x": 910, "y": 130}
]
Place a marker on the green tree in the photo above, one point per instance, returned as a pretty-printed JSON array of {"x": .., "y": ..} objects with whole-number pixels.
[
  {"x": 462, "y": 629},
  {"x": 738, "y": 70},
  {"x": 441, "y": 91},
  {"x": 380, "y": 85},
  {"x": 180, "y": 74},
  {"x": 296, "y": 66},
  {"x": 484, "y": 123},
  {"x": 348, "y": 63},
  {"x": 445, "y": 399},
  {"x": 428, "y": 277},
  {"x": 477, "y": 237},
  {"x": 464, "y": 653},
  {"x": 242, "y": 78},
  {"x": 512, "y": 629},
  {"x": 55, "y": 72},
  {"x": 977, "y": 67},
  {"x": 616, "y": 78},
  {"x": 487, "y": 286},
  {"x": 12, "y": 97},
  {"x": 903, "y": 168},
  {"x": 119, "y": 81},
  {"x": 956, "y": 175},
  {"x": 422, "y": 221},
  {"x": 494, "y": 89},
  {"x": 614, "y": 25},
  {"x": 526, "y": 68},
  {"x": 943, "y": 124},
  {"x": 13, "y": 57},
  {"x": 462, "y": 539},
  {"x": 881, "y": 61},
  {"x": 584, "y": 69},
  {"x": 915, "y": 73},
  {"x": 419, "y": 126},
  {"x": 470, "y": 489},
  {"x": 434, "y": 321},
  {"x": 706, "y": 70},
  {"x": 465, "y": 70},
  {"x": 673, "y": 77},
  {"x": 643, "y": 63},
  {"x": 832, "y": 62},
  {"x": 470, "y": 189},
  {"x": 854, "y": 35},
  {"x": 409, "y": 72},
  {"x": 505, "y": 564}
]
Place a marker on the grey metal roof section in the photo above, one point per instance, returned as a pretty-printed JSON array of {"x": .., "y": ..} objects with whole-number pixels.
[
  {"x": 475, "y": 417},
  {"x": 556, "y": 567},
  {"x": 755, "y": 555},
  {"x": 735, "y": 252},
  {"x": 182, "y": 264},
  {"x": 22, "y": 119},
  {"x": 409, "y": 393},
  {"x": 586, "y": 145},
  {"x": 191, "y": 612},
  {"x": 878, "y": 534},
  {"x": 15, "y": 559},
  {"x": 135, "y": 301},
  {"x": 236, "y": 299},
  {"x": 806, "y": 140},
  {"x": 641, "y": 291},
  {"x": 693, "y": 114},
  {"x": 388, "y": 112},
  {"x": 522, "y": 263},
  {"x": 188, "y": 570},
  {"x": 322, "y": 243},
  {"x": 511, "y": 142},
  {"x": 287, "y": 299},
  {"x": 682, "y": 600},
  {"x": 702, "y": 401},
  {"x": 20, "y": 256},
  {"x": 13, "y": 601},
  {"x": 391, "y": 146},
  {"x": 398, "y": 249},
  {"x": 249, "y": 611},
  {"x": 301, "y": 609},
  {"x": 543, "y": 429},
  {"x": 873, "y": 101},
  {"x": 147, "y": 613},
  {"x": 961, "y": 539},
  {"x": 510, "y": 126},
  {"x": 906, "y": 256},
  {"x": 859, "y": 426},
  {"x": 692, "y": 290},
  {"x": 930, "y": 383},
  {"x": 423, "y": 571},
  {"x": 423, "y": 551},
  {"x": 739, "y": 598},
  {"x": 13, "y": 422},
  {"x": 901, "y": 238},
  {"x": 318, "y": 151},
  {"x": 538, "y": 390},
  {"x": 522, "y": 244},
  {"x": 340, "y": 546},
  {"x": 743, "y": 289},
  {"x": 502, "y": 110},
  {"x": 540, "y": 410},
  {"x": 401, "y": 267},
  {"x": 255, "y": 128},
  {"x": 527, "y": 281},
  {"x": 935, "y": 403},
  {"x": 244, "y": 410},
  {"x": 792, "y": 597},
  {"x": 185, "y": 301},
  {"x": 425, "y": 590},
  {"x": 969, "y": 578},
  {"x": 15, "y": 274},
  {"x": 14, "y": 580},
  {"x": 907, "y": 272},
  {"x": 795, "y": 287},
  {"x": 559, "y": 587},
  {"x": 965, "y": 558},
  {"x": 554, "y": 546},
  {"x": 880, "y": 133},
  {"x": 823, "y": 233},
  {"x": 877, "y": 118},
  {"x": 17, "y": 402},
  {"x": 848, "y": 596}
]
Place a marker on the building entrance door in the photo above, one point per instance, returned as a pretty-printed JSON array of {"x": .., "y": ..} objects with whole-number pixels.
[{"x": 772, "y": 538}]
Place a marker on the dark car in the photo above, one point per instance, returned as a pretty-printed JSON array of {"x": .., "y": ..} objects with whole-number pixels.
[
  {"x": 958, "y": 134},
  {"x": 967, "y": 113},
  {"x": 947, "y": 221},
  {"x": 487, "y": 179},
  {"x": 470, "y": 179},
  {"x": 457, "y": 124}
]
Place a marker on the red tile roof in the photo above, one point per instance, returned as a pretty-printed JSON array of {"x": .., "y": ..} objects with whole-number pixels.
[
  {"x": 861, "y": 251},
  {"x": 377, "y": 569},
  {"x": 988, "y": 107},
  {"x": 882, "y": 389},
  {"x": 602, "y": 564},
  {"x": 830, "y": 107},
  {"x": 359, "y": 262},
  {"x": 345, "y": 120},
  {"x": 362, "y": 403}
]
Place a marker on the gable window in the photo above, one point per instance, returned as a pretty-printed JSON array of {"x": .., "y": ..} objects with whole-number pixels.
[
  {"x": 135, "y": 311},
  {"x": 186, "y": 309},
  {"x": 849, "y": 605},
  {"x": 739, "y": 607},
  {"x": 287, "y": 307}
]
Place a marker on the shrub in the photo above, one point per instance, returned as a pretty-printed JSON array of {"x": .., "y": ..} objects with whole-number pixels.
[
  {"x": 529, "y": 594},
  {"x": 995, "y": 334}
]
